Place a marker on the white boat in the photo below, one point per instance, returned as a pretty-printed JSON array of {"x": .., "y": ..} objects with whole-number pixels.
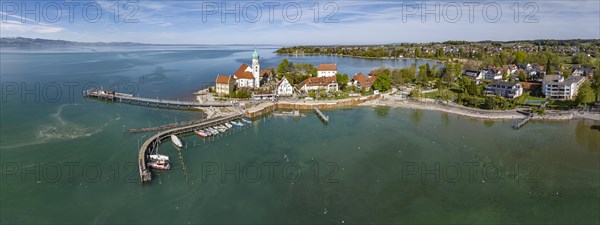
[
  {"x": 176, "y": 141},
  {"x": 223, "y": 127},
  {"x": 228, "y": 125},
  {"x": 235, "y": 123},
  {"x": 161, "y": 165},
  {"x": 212, "y": 131},
  {"x": 246, "y": 120},
  {"x": 159, "y": 157}
]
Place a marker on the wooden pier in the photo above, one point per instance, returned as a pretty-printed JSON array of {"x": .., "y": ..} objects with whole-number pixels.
[
  {"x": 163, "y": 127},
  {"x": 154, "y": 141},
  {"x": 150, "y": 102},
  {"x": 323, "y": 116},
  {"x": 522, "y": 122}
]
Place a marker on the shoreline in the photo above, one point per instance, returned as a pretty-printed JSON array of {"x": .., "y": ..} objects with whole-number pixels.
[
  {"x": 432, "y": 105},
  {"x": 396, "y": 101}
]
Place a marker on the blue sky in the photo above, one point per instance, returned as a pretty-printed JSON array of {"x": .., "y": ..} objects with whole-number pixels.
[{"x": 320, "y": 22}]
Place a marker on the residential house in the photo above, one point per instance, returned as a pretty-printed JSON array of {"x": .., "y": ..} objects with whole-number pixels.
[
  {"x": 327, "y": 83},
  {"x": 557, "y": 87},
  {"x": 493, "y": 74},
  {"x": 284, "y": 88},
  {"x": 504, "y": 89},
  {"x": 358, "y": 80},
  {"x": 224, "y": 85},
  {"x": 265, "y": 76},
  {"x": 475, "y": 74},
  {"x": 327, "y": 70},
  {"x": 362, "y": 81}
]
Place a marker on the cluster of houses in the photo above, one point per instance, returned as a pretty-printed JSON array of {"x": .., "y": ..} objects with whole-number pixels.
[
  {"x": 509, "y": 71},
  {"x": 252, "y": 78},
  {"x": 554, "y": 86}
]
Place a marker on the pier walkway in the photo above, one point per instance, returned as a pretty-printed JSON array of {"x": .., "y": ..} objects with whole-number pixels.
[
  {"x": 522, "y": 122},
  {"x": 154, "y": 141},
  {"x": 323, "y": 116},
  {"x": 151, "y": 102}
]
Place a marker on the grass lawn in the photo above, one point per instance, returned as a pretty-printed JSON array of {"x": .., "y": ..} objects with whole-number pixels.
[{"x": 438, "y": 94}]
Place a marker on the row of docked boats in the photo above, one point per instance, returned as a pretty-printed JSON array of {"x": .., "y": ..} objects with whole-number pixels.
[
  {"x": 221, "y": 128},
  {"x": 161, "y": 162}
]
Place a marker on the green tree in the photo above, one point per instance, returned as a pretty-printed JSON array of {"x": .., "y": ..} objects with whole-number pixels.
[
  {"x": 522, "y": 75},
  {"x": 342, "y": 80},
  {"x": 520, "y": 56},
  {"x": 585, "y": 94},
  {"x": 383, "y": 82},
  {"x": 595, "y": 82},
  {"x": 283, "y": 68},
  {"x": 581, "y": 59}
]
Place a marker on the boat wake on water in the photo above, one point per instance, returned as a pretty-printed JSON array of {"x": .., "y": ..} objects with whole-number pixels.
[{"x": 59, "y": 130}]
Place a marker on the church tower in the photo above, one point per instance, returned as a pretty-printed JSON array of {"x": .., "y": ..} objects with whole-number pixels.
[{"x": 256, "y": 68}]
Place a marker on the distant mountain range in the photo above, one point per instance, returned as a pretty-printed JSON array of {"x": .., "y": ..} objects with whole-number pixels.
[{"x": 21, "y": 42}]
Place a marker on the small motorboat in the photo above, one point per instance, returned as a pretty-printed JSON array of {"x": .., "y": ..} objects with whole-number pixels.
[
  {"x": 223, "y": 127},
  {"x": 246, "y": 120},
  {"x": 201, "y": 134},
  {"x": 176, "y": 141},
  {"x": 222, "y": 130},
  {"x": 228, "y": 125},
  {"x": 238, "y": 124},
  {"x": 160, "y": 165},
  {"x": 213, "y": 131},
  {"x": 159, "y": 157}
]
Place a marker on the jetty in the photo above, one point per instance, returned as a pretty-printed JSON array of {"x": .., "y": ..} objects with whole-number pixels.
[
  {"x": 321, "y": 115},
  {"x": 163, "y": 127},
  {"x": 150, "y": 102},
  {"x": 522, "y": 122},
  {"x": 150, "y": 144}
]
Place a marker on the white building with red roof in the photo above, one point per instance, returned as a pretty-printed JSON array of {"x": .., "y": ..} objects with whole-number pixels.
[
  {"x": 249, "y": 76},
  {"x": 284, "y": 88},
  {"x": 224, "y": 85},
  {"x": 327, "y": 70}
]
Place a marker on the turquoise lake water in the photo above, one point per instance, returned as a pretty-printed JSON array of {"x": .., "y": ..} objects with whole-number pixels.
[{"x": 67, "y": 159}]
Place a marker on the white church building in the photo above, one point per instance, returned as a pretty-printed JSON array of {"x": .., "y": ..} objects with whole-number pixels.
[{"x": 249, "y": 76}]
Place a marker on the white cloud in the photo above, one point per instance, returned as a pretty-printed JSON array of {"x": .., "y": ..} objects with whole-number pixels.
[{"x": 19, "y": 27}]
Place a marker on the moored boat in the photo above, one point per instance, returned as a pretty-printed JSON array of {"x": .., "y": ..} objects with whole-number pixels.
[
  {"x": 228, "y": 125},
  {"x": 176, "y": 141},
  {"x": 160, "y": 165},
  {"x": 159, "y": 157},
  {"x": 200, "y": 133},
  {"x": 246, "y": 120},
  {"x": 235, "y": 123}
]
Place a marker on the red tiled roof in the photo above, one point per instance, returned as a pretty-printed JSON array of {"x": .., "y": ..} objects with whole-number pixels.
[
  {"x": 223, "y": 79},
  {"x": 241, "y": 73},
  {"x": 318, "y": 81},
  {"x": 265, "y": 73},
  {"x": 327, "y": 67},
  {"x": 360, "y": 78},
  {"x": 369, "y": 82}
]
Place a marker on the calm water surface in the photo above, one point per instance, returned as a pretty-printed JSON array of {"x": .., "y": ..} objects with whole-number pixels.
[{"x": 69, "y": 161}]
